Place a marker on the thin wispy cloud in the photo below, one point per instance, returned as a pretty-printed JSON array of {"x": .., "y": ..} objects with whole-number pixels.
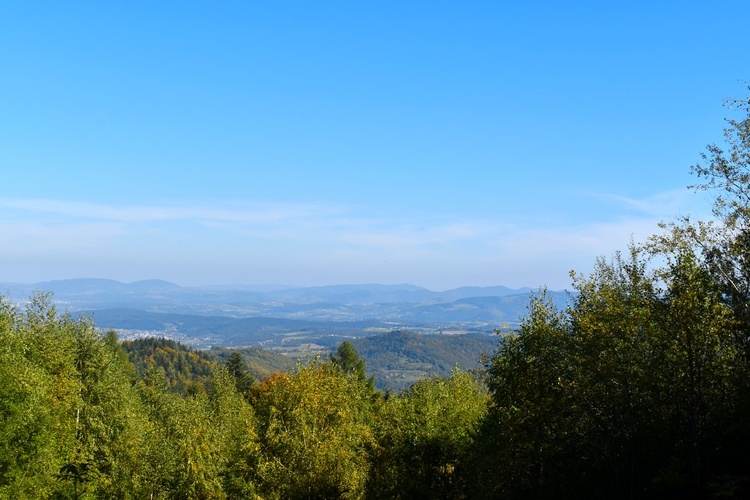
[
  {"x": 399, "y": 235},
  {"x": 26, "y": 238},
  {"x": 666, "y": 205}
]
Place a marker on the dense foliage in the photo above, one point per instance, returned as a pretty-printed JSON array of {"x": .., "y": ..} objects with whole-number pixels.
[
  {"x": 79, "y": 420},
  {"x": 640, "y": 388}
]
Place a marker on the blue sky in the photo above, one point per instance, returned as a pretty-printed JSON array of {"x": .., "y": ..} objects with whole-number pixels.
[{"x": 308, "y": 143}]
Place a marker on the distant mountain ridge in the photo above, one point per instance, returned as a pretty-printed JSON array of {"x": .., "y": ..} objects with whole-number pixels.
[
  {"x": 111, "y": 290},
  {"x": 280, "y": 316}
]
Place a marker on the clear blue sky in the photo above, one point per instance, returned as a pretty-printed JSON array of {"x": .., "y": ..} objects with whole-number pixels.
[{"x": 435, "y": 143}]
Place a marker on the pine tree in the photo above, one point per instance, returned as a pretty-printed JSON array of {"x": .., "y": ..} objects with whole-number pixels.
[{"x": 238, "y": 370}]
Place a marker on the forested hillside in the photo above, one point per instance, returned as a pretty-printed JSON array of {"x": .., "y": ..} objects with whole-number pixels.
[
  {"x": 398, "y": 359},
  {"x": 640, "y": 388},
  {"x": 185, "y": 370},
  {"x": 395, "y": 359},
  {"x": 261, "y": 363}
]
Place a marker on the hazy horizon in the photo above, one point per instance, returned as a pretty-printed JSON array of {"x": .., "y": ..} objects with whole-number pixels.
[{"x": 264, "y": 285}]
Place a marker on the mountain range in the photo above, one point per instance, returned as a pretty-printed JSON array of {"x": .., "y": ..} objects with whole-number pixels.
[{"x": 270, "y": 314}]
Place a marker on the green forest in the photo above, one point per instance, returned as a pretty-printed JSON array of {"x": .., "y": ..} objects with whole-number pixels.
[{"x": 640, "y": 388}]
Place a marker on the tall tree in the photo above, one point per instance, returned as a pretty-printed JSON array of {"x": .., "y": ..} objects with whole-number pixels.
[
  {"x": 237, "y": 368},
  {"x": 703, "y": 358},
  {"x": 618, "y": 356},
  {"x": 721, "y": 247},
  {"x": 315, "y": 433},
  {"x": 31, "y": 407},
  {"x": 86, "y": 436},
  {"x": 183, "y": 445},
  {"x": 347, "y": 360},
  {"x": 531, "y": 426},
  {"x": 425, "y": 437},
  {"x": 724, "y": 243},
  {"x": 235, "y": 424}
]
